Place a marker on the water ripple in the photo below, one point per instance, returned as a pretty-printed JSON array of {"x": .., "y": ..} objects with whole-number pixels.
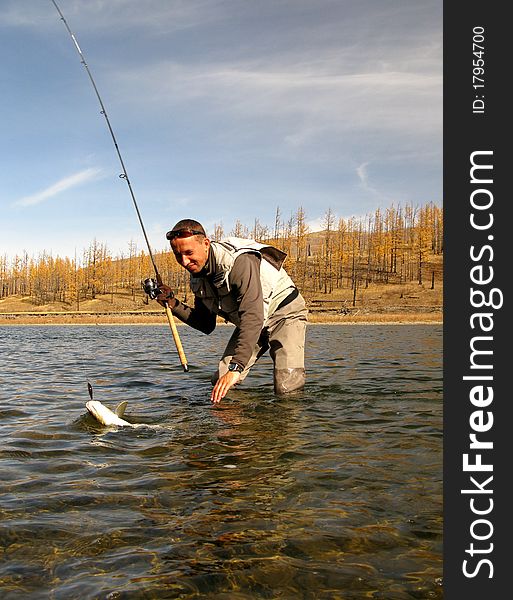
[{"x": 335, "y": 492}]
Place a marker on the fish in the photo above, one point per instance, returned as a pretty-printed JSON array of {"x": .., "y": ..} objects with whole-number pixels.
[{"x": 108, "y": 417}]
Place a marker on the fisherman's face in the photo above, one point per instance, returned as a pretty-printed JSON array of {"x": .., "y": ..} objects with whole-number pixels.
[{"x": 191, "y": 252}]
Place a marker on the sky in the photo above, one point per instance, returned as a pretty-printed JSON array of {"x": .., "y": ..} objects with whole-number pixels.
[{"x": 223, "y": 110}]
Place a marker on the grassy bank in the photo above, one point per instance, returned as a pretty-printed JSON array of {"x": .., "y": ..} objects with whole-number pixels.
[
  {"x": 7, "y": 319},
  {"x": 376, "y": 304}
]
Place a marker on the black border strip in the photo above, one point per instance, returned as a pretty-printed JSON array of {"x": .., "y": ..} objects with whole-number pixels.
[{"x": 469, "y": 535}]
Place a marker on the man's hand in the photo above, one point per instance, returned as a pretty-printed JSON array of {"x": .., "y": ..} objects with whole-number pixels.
[
  {"x": 223, "y": 384},
  {"x": 167, "y": 296}
]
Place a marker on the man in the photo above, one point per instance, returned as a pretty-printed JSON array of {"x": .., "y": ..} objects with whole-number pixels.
[{"x": 243, "y": 282}]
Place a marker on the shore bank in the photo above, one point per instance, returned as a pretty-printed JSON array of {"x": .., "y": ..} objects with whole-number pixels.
[{"x": 434, "y": 316}]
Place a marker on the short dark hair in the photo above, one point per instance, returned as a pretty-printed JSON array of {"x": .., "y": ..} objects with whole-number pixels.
[{"x": 185, "y": 228}]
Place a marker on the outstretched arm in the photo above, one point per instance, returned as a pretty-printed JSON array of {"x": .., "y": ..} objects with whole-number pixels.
[{"x": 245, "y": 283}]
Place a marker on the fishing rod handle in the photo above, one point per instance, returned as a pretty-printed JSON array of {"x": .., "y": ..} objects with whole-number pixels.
[{"x": 176, "y": 338}]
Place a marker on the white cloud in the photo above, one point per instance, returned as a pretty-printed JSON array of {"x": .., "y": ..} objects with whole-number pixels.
[
  {"x": 361, "y": 171},
  {"x": 60, "y": 186},
  {"x": 106, "y": 14},
  {"x": 305, "y": 101}
]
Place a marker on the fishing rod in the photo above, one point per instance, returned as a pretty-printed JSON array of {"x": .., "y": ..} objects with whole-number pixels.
[{"x": 124, "y": 175}]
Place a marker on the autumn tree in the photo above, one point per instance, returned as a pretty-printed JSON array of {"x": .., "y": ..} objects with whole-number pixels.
[
  {"x": 392, "y": 245},
  {"x": 239, "y": 230},
  {"x": 301, "y": 246},
  {"x": 218, "y": 233},
  {"x": 277, "y": 226},
  {"x": 328, "y": 224}
]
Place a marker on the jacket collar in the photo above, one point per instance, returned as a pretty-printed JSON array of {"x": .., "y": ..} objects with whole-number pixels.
[{"x": 212, "y": 271}]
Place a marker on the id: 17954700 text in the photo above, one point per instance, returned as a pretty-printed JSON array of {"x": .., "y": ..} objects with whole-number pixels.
[{"x": 478, "y": 71}]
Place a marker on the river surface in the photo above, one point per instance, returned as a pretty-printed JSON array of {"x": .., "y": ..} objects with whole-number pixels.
[{"x": 335, "y": 493}]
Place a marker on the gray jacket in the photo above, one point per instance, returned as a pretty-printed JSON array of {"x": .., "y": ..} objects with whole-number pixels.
[{"x": 243, "y": 282}]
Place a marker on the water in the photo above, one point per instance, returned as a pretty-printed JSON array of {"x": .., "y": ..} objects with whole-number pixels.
[{"x": 335, "y": 493}]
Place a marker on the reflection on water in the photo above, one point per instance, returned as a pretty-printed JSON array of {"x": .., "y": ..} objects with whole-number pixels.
[{"x": 333, "y": 493}]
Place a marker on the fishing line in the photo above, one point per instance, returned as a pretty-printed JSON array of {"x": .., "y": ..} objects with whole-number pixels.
[
  {"x": 89, "y": 348},
  {"x": 124, "y": 175}
]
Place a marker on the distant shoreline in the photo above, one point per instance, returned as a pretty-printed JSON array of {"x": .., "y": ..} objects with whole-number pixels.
[{"x": 434, "y": 317}]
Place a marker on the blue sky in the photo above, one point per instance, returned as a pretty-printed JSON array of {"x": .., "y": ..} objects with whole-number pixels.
[{"x": 222, "y": 109}]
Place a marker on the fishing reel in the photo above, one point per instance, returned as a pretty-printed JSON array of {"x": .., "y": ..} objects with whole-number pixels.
[{"x": 151, "y": 287}]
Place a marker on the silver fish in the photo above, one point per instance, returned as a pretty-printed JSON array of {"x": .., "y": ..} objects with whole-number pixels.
[{"x": 106, "y": 416}]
